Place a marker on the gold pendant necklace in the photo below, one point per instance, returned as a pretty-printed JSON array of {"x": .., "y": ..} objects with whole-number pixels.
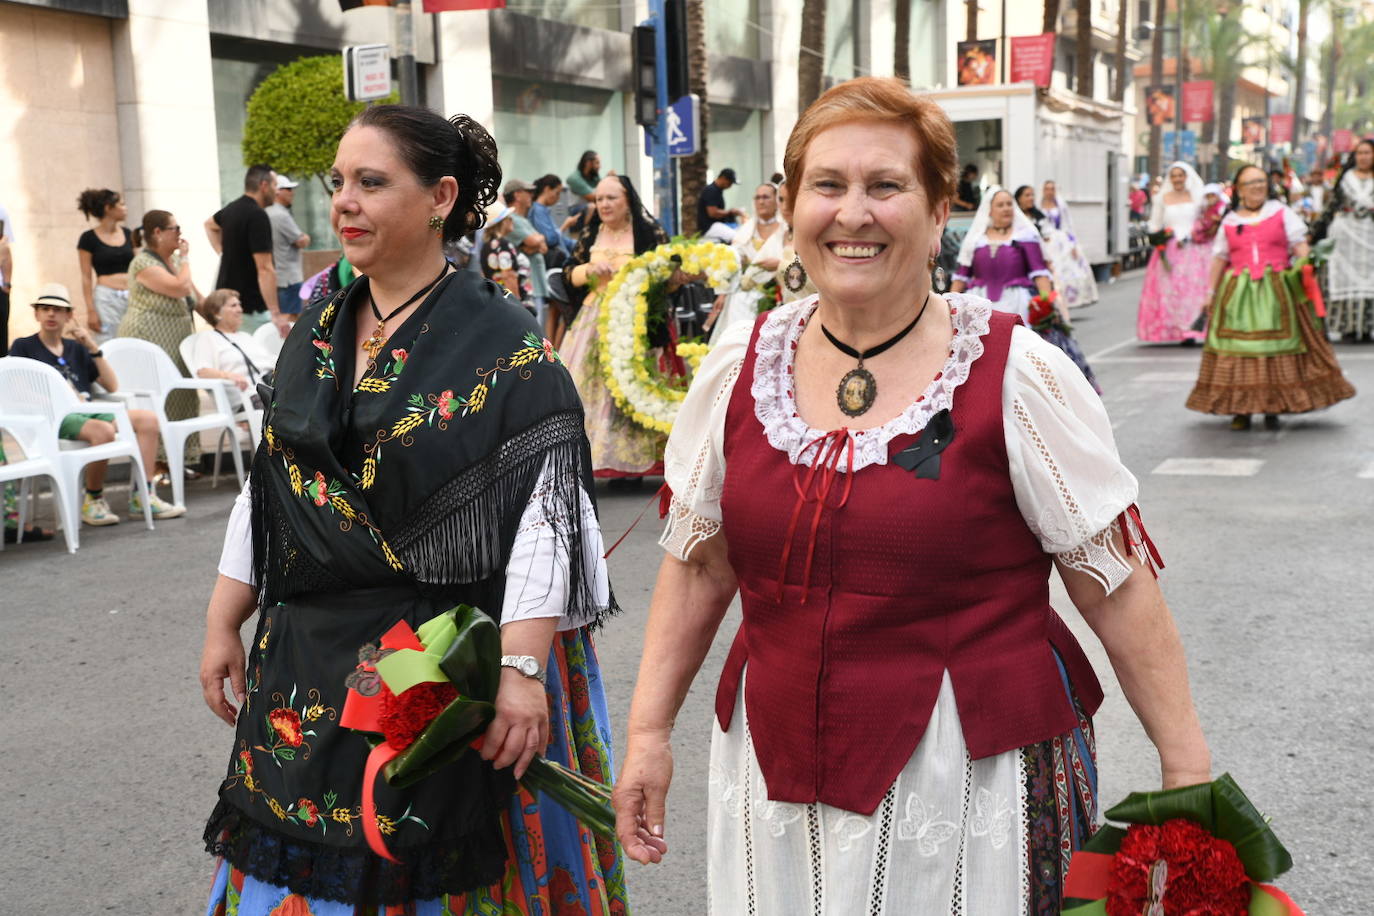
[
  {"x": 374, "y": 344},
  {"x": 858, "y": 389}
]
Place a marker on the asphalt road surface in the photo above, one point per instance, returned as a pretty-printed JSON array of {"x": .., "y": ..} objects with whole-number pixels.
[{"x": 111, "y": 760}]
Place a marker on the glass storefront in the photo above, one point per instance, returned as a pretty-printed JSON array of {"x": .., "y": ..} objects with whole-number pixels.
[
  {"x": 596, "y": 14},
  {"x": 235, "y": 81},
  {"x": 732, "y": 27},
  {"x": 841, "y": 53},
  {"x": 544, "y": 127}
]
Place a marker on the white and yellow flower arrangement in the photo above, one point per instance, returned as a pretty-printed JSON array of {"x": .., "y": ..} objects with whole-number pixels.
[{"x": 641, "y": 391}]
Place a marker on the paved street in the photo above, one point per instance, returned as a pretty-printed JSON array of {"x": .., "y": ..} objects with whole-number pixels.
[{"x": 112, "y": 760}]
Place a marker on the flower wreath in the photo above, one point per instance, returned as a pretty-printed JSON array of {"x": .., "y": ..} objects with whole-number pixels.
[{"x": 642, "y": 390}]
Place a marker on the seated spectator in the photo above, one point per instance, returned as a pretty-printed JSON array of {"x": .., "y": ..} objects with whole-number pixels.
[
  {"x": 711, "y": 208},
  {"x": 226, "y": 351},
  {"x": 80, "y": 361},
  {"x": 547, "y": 190},
  {"x": 500, "y": 259}
]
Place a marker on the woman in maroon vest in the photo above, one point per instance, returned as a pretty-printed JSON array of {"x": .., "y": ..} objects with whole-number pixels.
[{"x": 887, "y": 477}]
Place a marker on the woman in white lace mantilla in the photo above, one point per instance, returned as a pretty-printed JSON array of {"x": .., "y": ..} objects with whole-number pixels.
[
  {"x": 903, "y": 723},
  {"x": 759, "y": 244}
]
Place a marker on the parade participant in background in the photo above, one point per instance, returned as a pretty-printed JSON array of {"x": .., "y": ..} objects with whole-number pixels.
[
  {"x": 1177, "y": 286},
  {"x": 793, "y": 283},
  {"x": 759, "y": 246},
  {"x": 898, "y": 658},
  {"x": 486, "y": 502},
  {"x": 1025, "y": 200},
  {"x": 82, "y": 364},
  {"x": 619, "y": 229},
  {"x": 1264, "y": 352},
  {"x": 162, "y": 296},
  {"x": 1349, "y": 223},
  {"x": 104, "y": 253},
  {"x": 1001, "y": 260},
  {"x": 1073, "y": 274}
]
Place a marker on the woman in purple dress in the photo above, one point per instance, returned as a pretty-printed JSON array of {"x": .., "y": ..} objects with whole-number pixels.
[{"x": 1001, "y": 261}]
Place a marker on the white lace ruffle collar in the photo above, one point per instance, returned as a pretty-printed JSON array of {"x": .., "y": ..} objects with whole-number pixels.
[{"x": 775, "y": 403}]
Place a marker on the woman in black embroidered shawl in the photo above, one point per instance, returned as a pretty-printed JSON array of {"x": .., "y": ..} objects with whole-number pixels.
[{"x": 424, "y": 447}]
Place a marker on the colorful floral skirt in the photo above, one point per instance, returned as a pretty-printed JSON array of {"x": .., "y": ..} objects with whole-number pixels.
[
  {"x": 952, "y": 835},
  {"x": 1265, "y": 352},
  {"x": 620, "y": 446},
  {"x": 1174, "y": 296},
  {"x": 554, "y": 866},
  {"x": 1073, "y": 274}
]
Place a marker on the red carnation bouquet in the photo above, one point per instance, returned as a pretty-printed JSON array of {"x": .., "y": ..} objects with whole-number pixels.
[
  {"x": 425, "y": 697},
  {"x": 1160, "y": 241},
  {"x": 1193, "y": 851},
  {"x": 1042, "y": 313}
]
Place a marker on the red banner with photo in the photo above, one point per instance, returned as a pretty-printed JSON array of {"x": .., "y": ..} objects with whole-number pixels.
[
  {"x": 1159, "y": 104},
  {"x": 978, "y": 62},
  {"x": 444, "y": 6},
  {"x": 1032, "y": 59},
  {"x": 1197, "y": 101},
  {"x": 1342, "y": 140},
  {"x": 1252, "y": 131},
  {"x": 1281, "y": 128}
]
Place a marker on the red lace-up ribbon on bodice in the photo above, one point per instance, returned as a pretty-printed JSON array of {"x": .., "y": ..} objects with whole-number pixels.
[{"x": 814, "y": 484}]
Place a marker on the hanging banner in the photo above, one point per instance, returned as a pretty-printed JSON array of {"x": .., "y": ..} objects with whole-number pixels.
[
  {"x": 1197, "y": 101},
  {"x": 1252, "y": 131},
  {"x": 1342, "y": 140},
  {"x": 1159, "y": 105},
  {"x": 978, "y": 62},
  {"x": 1032, "y": 59},
  {"x": 444, "y": 6},
  {"x": 1281, "y": 128}
]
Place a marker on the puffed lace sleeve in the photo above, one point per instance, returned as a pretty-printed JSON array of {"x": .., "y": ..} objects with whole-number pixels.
[
  {"x": 1070, "y": 484},
  {"x": 694, "y": 461},
  {"x": 1294, "y": 227}
]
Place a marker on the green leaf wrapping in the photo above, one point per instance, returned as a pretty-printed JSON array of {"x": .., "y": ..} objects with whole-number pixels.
[{"x": 1222, "y": 809}]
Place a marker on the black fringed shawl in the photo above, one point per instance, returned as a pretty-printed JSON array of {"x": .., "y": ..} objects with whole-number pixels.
[{"x": 422, "y": 473}]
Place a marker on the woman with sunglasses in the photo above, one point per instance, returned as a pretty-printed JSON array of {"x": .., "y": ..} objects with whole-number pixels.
[
  {"x": 161, "y": 296},
  {"x": 1264, "y": 351}
]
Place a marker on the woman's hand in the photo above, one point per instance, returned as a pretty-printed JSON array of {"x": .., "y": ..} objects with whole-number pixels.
[
  {"x": 183, "y": 248},
  {"x": 640, "y": 797},
  {"x": 222, "y": 657},
  {"x": 600, "y": 269},
  {"x": 93, "y": 320},
  {"x": 521, "y": 727}
]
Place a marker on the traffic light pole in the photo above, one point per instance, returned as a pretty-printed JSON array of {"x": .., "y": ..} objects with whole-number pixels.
[{"x": 665, "y": 169}]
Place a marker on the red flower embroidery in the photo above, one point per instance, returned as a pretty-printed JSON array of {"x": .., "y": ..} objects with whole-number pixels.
[
  {"x": 549, "y": 353},
  {"x": 324, "y": 345},
  {"x": 321, "y": 489},
  {"x": 246, "y": 761},
  {"x": 307, "y": 812},
  {"x": 287, "y": 724},
  {"x": 447, "y": 403},
  {"x": 399, "y": 354},
  {"x": 1204, "y": 876}
]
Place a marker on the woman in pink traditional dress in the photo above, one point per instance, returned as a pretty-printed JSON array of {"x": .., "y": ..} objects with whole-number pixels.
[
  {"x": 903, "y": 721},
  {"x": 1176, "y": 280}
]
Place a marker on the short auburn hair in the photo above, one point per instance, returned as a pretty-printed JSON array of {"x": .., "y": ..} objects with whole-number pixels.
[{"x": 890, "y": 101}]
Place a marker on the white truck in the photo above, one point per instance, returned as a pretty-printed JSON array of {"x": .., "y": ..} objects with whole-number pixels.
[{"x": 1018, "y": 134}]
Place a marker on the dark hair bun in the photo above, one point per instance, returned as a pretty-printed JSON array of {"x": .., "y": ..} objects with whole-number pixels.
[
  {"x": 95, "y": 201},
  {"x": 478, "y": 173}
]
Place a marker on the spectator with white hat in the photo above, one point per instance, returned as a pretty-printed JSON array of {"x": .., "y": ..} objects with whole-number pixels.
[
  {"x": 81, "y": 363},
  {"x": 287, "y": 243}
]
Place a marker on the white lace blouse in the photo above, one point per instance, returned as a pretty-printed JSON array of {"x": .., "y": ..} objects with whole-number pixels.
[
  {"x": 1069, "y": 482},
  {"x": 536, "y": 572}
]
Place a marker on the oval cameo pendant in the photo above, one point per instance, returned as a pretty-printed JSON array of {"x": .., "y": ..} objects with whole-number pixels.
[
  {"x": 857, "y": 391},
  {"x": 794, "y": 278}
]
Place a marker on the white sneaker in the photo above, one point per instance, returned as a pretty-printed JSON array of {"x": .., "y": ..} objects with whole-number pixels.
[
  {"x": 161, "y": 508},
  {"x": 95, "y": 511}
]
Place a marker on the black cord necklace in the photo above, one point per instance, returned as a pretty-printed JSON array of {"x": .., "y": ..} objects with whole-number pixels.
[
  {"x": 374, "y": 344},
  {"x": 859, "y": 389}
]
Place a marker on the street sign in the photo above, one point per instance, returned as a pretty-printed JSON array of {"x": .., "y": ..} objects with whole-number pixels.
[
  {"x": 1187, "y": 144},
  {"x": 367, "y": 72},
  {"x": 683, "y": 125}
]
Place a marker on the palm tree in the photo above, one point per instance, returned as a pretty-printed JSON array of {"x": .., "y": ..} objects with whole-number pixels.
[
  {"x": 971, "y": 20},
  {"x": 1123, "y": 15},
  {"x": 1223, "y": 48},
  {"x": 901, "y": 47},
  {"x": 1083, "y": 47},
  {"x": 1300, "y": 78},
  {"x": 1051, "y": 18},
  {"x": 692, "y": 169},
  {"x": 811, "y": 61},
  {"x": 1156, "y": 78}
]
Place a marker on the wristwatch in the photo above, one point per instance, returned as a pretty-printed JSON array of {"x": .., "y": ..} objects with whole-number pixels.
[
  {"x": 97, "y": 354},
  {"x": 527, "y": 665}
]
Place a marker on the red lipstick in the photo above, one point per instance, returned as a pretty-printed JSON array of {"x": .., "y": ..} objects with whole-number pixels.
[{"x": 352, "y": 232}]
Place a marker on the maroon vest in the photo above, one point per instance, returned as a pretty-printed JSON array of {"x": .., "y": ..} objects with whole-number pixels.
[{"x": 909, "y": 578}]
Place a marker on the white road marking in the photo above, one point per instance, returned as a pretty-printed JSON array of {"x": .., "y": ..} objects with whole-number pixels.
[
  {"x": 1130, "y": 341},
  {"x": 1188, "y": 377},
  {"x": 1182, "y": 358},
  {"x": 1368, "y": 472},
  {"x": 1210, "y": 467}
]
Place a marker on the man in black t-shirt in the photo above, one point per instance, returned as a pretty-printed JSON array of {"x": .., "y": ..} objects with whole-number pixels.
[
  {"x": 711, "y": 203},
  {"x": 242, "y": 235}
]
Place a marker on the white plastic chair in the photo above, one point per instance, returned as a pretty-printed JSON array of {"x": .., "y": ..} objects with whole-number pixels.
[
  {"x": 143, "y": 368},
  {"x": 240, "y": 400},
  {"x": 269, "y": 338},
  {"x": 34, "y": 397},
  {"x": 25, "y": 470}
]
